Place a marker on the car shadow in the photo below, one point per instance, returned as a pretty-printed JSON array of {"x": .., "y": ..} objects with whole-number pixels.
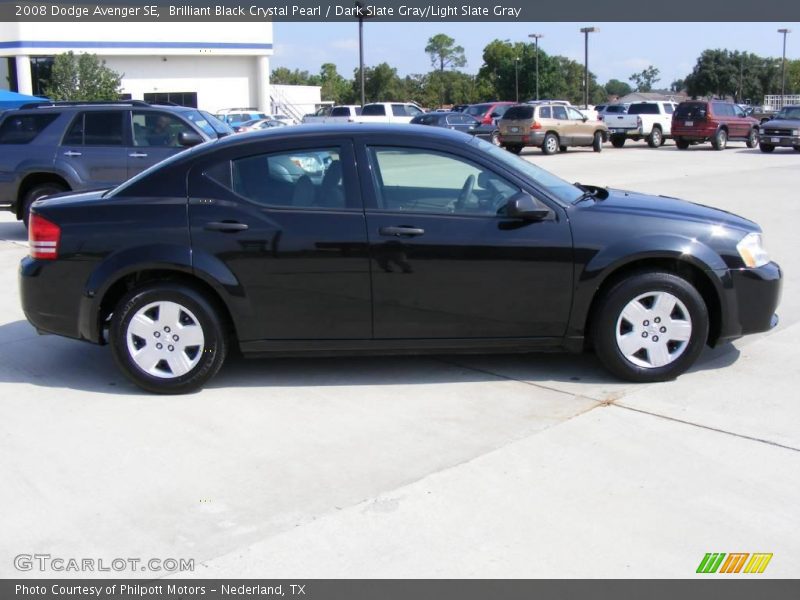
[
  {"x": 13, "y": 231},
  {"x": 758, "y": 151},
  {"x": 56, "y": 362}
]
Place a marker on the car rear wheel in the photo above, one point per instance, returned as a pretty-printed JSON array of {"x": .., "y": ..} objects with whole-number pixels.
[
  {"x": 617, "y": 141},
  {"x": 656, "y": 138},
  {"x": 752, "y": 138},
  {"x": 514, "y": 149},
  {"x": 597, "y": 141},
  {"x": 495, "y": 138},
  {"x": 767, "y": 148},
  {"x": 720, "y": 140},
  {"x": 38, "y": 192},
  {"x": 650, "y": 326},
  {"x": 167, "y": 338},
  {"x": 681, "y": 144},
  {"x": 550, "y": 144}
]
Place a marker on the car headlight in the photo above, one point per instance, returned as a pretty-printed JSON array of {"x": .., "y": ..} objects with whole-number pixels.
[{"x": 752, "y": 251}]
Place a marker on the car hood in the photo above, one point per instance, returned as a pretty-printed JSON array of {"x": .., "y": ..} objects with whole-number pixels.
[
  {"x": 782, "y": 123},
  {"x": 626, "y": 202}
]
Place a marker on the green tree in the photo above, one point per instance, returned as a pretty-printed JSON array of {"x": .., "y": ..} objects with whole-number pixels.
[
  {"x": 444, "y": 53},
  {"x": 284, "y": 76},
  {"x": 615, "y": 87},
  {"x": 82, "y": 78},
  {"x": 677, "y": 86},
  {"x": 381, "y": 84},
  {"x": 740, "y": 75},
  {"x": 645, "y": 79},
  {"x": 334, "y": 86}
]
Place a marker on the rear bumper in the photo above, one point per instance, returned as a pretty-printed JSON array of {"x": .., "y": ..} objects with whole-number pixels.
[
  {"x": 50, "y": 297},
  {"x": 532, "y": 138},
  {"x": 752, "y": 298}
]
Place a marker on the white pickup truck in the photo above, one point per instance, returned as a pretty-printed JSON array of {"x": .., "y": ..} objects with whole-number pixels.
[
  {"x": 651, "y": 120},
  {"x": 388, "y": 112},
  {"x": 343, "y": 113}
]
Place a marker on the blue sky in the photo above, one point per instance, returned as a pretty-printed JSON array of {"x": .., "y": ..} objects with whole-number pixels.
[{"x": 616, "y": 51}]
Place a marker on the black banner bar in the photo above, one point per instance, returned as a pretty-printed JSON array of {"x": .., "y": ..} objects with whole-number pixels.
[
  {"x": 405, "y": 11},
  {"x": 729, "y": 587}
]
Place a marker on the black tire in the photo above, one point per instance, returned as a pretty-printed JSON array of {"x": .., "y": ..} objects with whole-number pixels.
[
  {"x": 720, "y": 140},
  {"x": 752, "y": 138},
  {"x": 796, "y": 148},
  {"x": 597, "y": 141},
  {"x": 38, "y": 192},
  {"x": 608, "y": 321},
  {"x": 767, "y": 148},
  {"x": 656, "y": 138},
  {"x": 550, "y": 144},
  {"x": 193, "y": 304},
  {"x": 618, "y": 141},
  {"x": 514, "y": 149},
  {"x": 681, "y": 143},
  {"x": 563, "y": 148}
]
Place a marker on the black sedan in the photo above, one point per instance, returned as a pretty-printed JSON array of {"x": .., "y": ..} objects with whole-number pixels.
[
  {"x": 460, "y": 122},
  {"x": 393, "y": 239}
]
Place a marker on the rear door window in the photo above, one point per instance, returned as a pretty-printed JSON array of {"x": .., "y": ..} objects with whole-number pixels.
[
  {"x": 23, "y": 129},
  {"x": 373, "y": 110},
  {"x": 96, "y": 128}
]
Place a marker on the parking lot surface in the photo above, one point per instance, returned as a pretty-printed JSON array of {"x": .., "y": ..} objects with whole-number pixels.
[{"x": 447, "y": 466}]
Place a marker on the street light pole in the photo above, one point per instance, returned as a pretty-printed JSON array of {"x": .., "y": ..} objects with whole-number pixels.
[
  {"x": 536, "y": 37},
  {"x": 783, "y": 64},
  {"x": 362, "y": 14},
  {"x": 516, "y": 76},
  {"x": 586, "y": 31}
]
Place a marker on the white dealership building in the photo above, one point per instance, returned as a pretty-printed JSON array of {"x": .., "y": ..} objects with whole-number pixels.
[{"x": 208, "y": 65}]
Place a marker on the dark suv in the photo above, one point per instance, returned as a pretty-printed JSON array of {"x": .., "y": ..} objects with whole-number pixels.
[
  {"x": 717, "y": 121},
  {"x": 48, "y": 148}
]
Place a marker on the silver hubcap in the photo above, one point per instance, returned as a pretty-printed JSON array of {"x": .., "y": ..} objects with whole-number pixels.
[
  {"x": 551, "y": 144},
  {"x": 496, "y": 139},
  {"x": 165, "y": 339},
  {"x": 653, "y": 330},
  {"x": 656, "y": 136}
]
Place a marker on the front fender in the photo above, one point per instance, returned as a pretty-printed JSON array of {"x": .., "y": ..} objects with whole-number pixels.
[{"x": 590, "y": 276}]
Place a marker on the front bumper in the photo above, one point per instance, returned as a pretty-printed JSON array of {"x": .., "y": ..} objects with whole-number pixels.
[
  {"x": 780, "y": 141},
  {"x": 752, "y": 297}
]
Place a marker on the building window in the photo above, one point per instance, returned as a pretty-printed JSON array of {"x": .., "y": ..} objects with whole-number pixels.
[
  {"x": 41, "y": 73},
  {"x": 179, "y": 98}
]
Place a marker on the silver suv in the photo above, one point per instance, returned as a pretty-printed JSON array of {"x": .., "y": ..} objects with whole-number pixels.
[{"x": 49, "y": 148}]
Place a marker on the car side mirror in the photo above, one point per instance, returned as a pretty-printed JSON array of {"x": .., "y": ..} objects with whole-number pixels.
[
  {"x": 585, "y": 118},
  {"x": 187, "y": 139},
  {"x": 523, "y": 206}
]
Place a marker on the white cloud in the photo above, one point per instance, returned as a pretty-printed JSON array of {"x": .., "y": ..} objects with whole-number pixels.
[{"x": 345, "y": 44}]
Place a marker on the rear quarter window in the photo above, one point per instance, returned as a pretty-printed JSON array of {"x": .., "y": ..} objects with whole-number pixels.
[
  {"x": 23, "y": 129},
  {"x": 643, "y": 109}
]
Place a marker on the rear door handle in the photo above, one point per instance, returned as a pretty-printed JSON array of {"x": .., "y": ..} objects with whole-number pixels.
[
  {"x": 137, "y": 155},
  {"x": 225, "y": 226},
  {"x": 73, "y": 153},
  {"x": 401, "y": 230}
]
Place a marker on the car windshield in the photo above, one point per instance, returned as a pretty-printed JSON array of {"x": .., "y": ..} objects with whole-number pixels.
[
  {"x": 789, "y": 112},
  {"x": 564, "y": 191},
  {"x": 220, "y": 127},
  {"x": 205, "y": 122}
]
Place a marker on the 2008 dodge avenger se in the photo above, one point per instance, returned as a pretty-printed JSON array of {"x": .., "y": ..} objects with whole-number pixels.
[{"x": 385, "y": 239}]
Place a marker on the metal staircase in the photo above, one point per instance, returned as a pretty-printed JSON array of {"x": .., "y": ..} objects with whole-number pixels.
[{"x": 281, "y": 104}]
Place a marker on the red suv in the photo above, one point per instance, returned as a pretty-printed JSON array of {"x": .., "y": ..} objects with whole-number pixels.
[
  {"x": 717, "y": 121},
  {"x": 488, "y": 112}
]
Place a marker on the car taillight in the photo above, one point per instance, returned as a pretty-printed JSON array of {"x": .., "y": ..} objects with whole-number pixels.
[
  {"x": 43, "y": 237},
  {"x": 536, "y": 125}
]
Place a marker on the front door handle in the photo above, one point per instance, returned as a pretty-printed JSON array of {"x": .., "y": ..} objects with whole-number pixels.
[
  {"x": 401, "y": 230},
  {"x": 225, "y": 226},
  {"x": 73, "y": 153},
  {"x": 137, "y": 155}
]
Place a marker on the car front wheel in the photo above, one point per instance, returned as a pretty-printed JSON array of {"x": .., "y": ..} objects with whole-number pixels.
[
  {"x": 597, "y": 141},
  {"x": 752, "y": 138},
  {"x": 650, "y": 326},
  {"x": 167, "y": 338}
]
